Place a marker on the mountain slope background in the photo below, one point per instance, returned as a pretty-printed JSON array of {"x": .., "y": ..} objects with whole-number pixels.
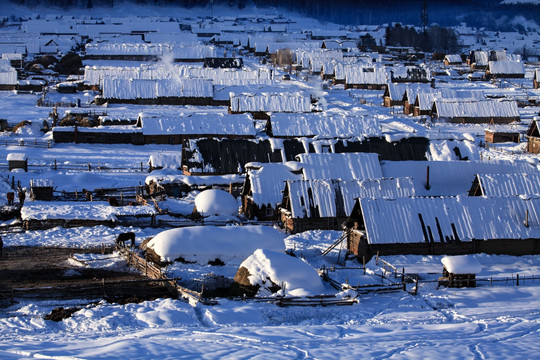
[{"x": 498, "y": 15}]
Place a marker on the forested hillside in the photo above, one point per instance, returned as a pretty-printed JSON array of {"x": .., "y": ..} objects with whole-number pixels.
[{"x": 492, "y": 14}]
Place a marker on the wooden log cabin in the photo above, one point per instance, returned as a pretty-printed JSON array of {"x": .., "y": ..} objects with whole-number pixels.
[
  {"x": 443, "y": 225},
  {"x": 533, "y": 137},
  {"x": 475, "y": 111},
  {"x": 496, "y": 136},
  {"x": 459, "y": 271}
]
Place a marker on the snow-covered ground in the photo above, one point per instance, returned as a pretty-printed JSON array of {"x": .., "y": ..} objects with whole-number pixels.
[
  {"x": 493, "y": 321},
  {"x": 498, "y": 322}
]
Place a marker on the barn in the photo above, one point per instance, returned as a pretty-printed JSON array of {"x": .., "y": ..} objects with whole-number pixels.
[
  {"x": 263, "y": 188},
  {"x": 326, "y": 204},
  {"x": 533, "y": 137},
  {"x": 536, "y": 78},
  {"x": 471, "y": 111},
  {"x": 444, "y": 225},
  {"x": 505, "y": 69},
  {"x": 175, "y": 130},
  {"x": 364, "y": 77},
  {"x": 176, "y": 91}
]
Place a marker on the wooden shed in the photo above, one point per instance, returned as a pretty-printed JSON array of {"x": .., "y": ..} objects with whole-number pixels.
[
  {"x": 533, "y": 137},
  {"x": 17, "y": 161},
  {"x": 494, "y": 136},
  {"x": 41, "y": 189},
  {"x": 459, "y": 271}
]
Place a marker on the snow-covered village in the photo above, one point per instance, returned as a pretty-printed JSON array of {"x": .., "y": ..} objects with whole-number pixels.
[{"x": 244, "y": 182}]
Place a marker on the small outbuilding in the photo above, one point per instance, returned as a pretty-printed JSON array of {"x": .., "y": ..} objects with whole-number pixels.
[
  {"x": 41, "y": 189},
  {"x": 533, "y": 137},
  {"x": 494, "y": 136},
  {"x": 17, "y": 161},
  {"x": 459, "y": 271}
]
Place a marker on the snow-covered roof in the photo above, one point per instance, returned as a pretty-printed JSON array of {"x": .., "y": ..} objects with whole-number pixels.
[
  {"x": 8, "y": 74},
  {"x": 295, "y": 275},
  {"x": 398, "y": 220},
  {"x": 331, "y": 198},
  {"x": 450, "y": 178},
  {"x": 502, "y": 185},
  {"x": 273, "y": 102},
  {"x": 476, "y": 109},
  {"x": 89, "y": 210},
  {"x": 206, "y": 243},
  {"x": 453, "y": 58},
  {"x": 219, "y": 76},
  {"x": 17, "y": 157},
  {"x": 198, "y": 124},
  {"x": 268, "y": 181},
  {"x": 323, "y": 125},
  {"x": 167, "y": 160},
  {"x": 410, "y": 73},
  {"x": 11, "y": 56},
  {"x": 126, "y": 89},
  {"x": 177, "y": 51},
  {"x": 506, "y": 67},
  {"x": 344, "y": 166},
  {"x": 361, "y": 74},
  {"x": 461, "y": 264}
]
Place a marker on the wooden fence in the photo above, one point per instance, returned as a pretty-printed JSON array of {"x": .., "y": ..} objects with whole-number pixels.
[
  {"x": 28, "y": 143},
  {"x": 154, "y": 272}
]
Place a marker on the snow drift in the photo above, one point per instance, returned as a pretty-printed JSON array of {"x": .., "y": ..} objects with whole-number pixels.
[
  {"x": 202, "y": 244},
  {"x": 216, "y": 202},
  {"x": 294, "y": 276}
]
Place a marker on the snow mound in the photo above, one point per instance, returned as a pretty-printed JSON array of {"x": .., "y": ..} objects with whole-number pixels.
[
  {"x": 461, "y": 264},
  {"x": 296, "y": 276},
  {"x": 206, "y": 243},
  {"x": 216, "y": 202}
]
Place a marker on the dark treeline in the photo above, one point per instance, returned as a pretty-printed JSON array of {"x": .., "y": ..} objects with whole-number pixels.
[
  {"x": 434, "y": 39},
  {"x": 480, "y": 13}
]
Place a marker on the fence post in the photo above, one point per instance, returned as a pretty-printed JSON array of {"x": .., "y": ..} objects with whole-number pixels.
[
  {"x": 517, "y": 280},
  {"x": 364, "y": 263},
  {"x": 55, "y": 165},
  {"x": 141, "y": 167},
  {"x": 89, "y": 167}
]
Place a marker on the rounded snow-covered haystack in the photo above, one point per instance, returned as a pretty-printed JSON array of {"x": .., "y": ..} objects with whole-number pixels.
[
  {"x": 216, "y": 202},
  {"x": 273, "y": 270},
  {"x": 203, "y": 244}
]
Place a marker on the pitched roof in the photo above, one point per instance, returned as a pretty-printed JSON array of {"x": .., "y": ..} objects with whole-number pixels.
[
  {"x": 503, "y": 185},
  {"x": 331, "y": 198},
  {"x": 476, "y": 109},
  {"x": 268, "y": 181},
  {"x": 198, "y": 124},
  {"x": 450, "y": 178},
  {"x": 344, "y": 166},
  {"x": 151, "y": 89},
  {"x": 323, "y": 125},
  {"x": 398, "y": 220},
  {"x": 506, "y": 67}
]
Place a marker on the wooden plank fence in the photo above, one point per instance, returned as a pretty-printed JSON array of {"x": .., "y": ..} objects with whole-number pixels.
[
  {"x": 28, "y": 143},
  {"x": 154, "y": 272}
]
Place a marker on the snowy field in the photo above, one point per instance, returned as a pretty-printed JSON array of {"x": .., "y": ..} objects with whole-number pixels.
[{"x": 498, "y": 322}]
